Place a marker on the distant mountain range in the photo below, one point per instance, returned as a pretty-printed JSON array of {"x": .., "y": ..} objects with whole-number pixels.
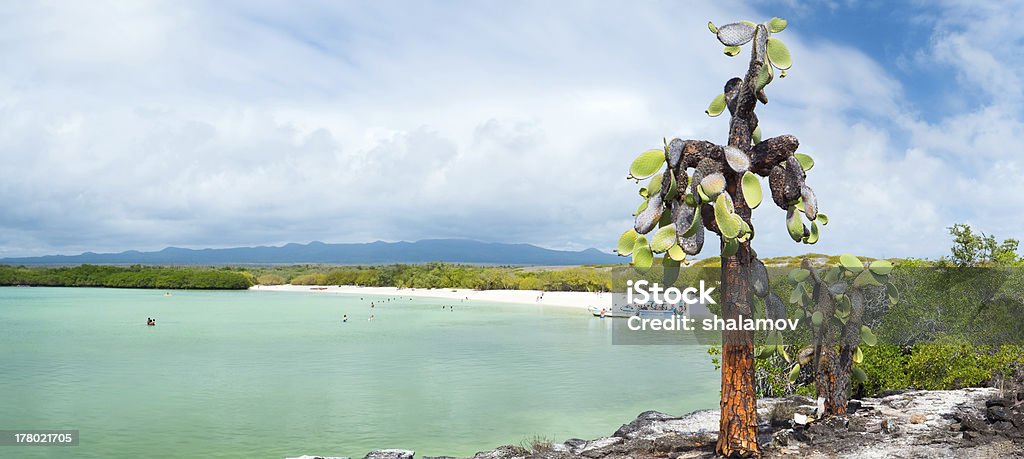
[{"x": 446, "y": 250}]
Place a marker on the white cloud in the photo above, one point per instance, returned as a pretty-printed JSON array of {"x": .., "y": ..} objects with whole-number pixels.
[
  {"x": 982, "y": 42},
  {"x": 151, "y": 124}
]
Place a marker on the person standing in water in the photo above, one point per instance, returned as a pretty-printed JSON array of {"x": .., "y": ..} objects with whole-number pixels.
[{"x": 344, "y": 318}]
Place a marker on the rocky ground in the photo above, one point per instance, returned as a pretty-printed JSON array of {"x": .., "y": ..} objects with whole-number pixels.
[{"x": 967, "y": 423}]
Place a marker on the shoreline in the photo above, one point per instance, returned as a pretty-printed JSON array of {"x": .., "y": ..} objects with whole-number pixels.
[{"x": 576, "y": 300}]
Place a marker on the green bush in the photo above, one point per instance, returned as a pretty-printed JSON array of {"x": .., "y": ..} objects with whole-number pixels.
[
  {"x": 886, "y": 368},
  {"x": 953, "y": 364},
  {"x": 772, "y": 376},
  {"x": 948, "y": 363},
  {"x": 136, "y": 276}
]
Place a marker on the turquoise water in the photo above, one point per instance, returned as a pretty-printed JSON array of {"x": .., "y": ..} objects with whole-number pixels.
[{"x": 267, "y": 374}]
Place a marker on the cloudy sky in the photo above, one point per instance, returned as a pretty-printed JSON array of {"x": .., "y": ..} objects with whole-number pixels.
[{"x": 141, "y": 125}]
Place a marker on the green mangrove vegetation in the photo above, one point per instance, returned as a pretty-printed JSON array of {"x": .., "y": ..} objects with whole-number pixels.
[
  {"x": 429, "y": 275},
  {"x": 444, "y": 275},
  {"x": 136, "y": 276}
]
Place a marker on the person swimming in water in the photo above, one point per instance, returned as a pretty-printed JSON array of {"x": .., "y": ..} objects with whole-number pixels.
[
  {"x": 344, "y": 318},
  {"x": 150, "y": 321}
]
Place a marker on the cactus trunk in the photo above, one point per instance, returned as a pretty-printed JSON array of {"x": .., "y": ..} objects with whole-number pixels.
[
  {"x": 737, "y": 436},
  {"x": 826, "y": 359},
  {"x": 851, "y": 339},
  {"x": 828, "y": 383}
]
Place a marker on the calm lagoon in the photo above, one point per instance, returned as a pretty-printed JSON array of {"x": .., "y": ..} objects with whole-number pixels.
[{"x": 275, "y": 374}]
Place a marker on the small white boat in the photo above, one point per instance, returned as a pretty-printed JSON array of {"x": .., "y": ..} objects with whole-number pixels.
[{"x": 602, "y": 312}]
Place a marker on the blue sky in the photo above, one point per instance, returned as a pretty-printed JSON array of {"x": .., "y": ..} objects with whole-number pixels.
[{"x": 141, "y": 125}]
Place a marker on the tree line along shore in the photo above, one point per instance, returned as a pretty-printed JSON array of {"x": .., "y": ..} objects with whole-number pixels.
[
  {"x": 589, "y": 278},
  {"x": 428, "y": 275}
]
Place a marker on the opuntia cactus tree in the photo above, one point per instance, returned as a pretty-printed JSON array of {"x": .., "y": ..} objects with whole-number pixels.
[
  {"x": 832, "y": 301},
  {"x": 697, "y": 186}
]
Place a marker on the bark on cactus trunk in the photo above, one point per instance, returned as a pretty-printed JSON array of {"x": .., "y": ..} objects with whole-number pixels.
[{"x": 738, "y": 425}]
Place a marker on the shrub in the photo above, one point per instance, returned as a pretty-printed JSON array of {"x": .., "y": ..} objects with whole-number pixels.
[
  {"x": 953, "y": 364},
  {"x": 886, "y": 368}
]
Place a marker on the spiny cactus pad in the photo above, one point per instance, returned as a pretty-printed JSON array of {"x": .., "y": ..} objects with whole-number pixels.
[
  {"x": 649, "y": 217},
  {"x": 736, "y": 34},
  {"x": 737, "y": 159}
]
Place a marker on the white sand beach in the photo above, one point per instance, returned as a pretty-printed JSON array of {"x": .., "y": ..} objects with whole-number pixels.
[{"x": 580, "y": 300}]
